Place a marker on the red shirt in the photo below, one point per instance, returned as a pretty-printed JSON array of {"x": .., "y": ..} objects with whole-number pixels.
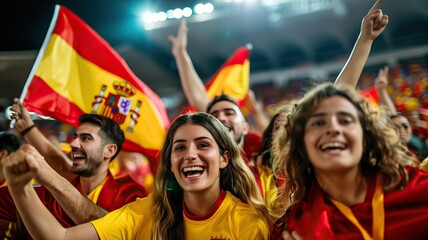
[
  {"x": 316, "y": 217},
  {"x": 114, "y": 194}
]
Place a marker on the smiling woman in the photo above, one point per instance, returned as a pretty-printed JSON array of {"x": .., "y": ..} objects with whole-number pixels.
[
  {"x": 348, "y": 173},
  {"x": 202, "y": 168},
  {"x": 203, "y": 190}
]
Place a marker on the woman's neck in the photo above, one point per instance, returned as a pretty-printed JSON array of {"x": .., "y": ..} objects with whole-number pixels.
[
  {"x": 200, "y": 203},
  {"x": 348, "y": 187}
]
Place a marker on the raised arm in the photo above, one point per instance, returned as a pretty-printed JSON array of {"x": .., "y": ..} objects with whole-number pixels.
[
  {"x": 256, "y": 112},
  {"x": 79, "y": 208},
  {"x": 19, "y": 169},
  {"x": 193, "y": 87},
  {"x": 53, "y": 155},
  {"x": 372, "y": 26},
  {"x": 381, "y": 82}
]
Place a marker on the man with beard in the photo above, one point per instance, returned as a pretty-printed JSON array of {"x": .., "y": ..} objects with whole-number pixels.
[{"x": 96, "y": 142}]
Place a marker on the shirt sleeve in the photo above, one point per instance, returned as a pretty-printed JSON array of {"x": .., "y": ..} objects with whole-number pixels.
[{"x": 129, "y": 222}]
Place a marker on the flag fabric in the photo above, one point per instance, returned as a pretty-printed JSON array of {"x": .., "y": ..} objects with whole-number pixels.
[
  {"x": 371, "y": 95},
  {"x": 233, "y": 78},
  {"x": 77, "y": 71}
]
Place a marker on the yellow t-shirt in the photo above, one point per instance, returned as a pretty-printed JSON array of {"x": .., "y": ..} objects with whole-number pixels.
[
  {"x": 270, "y": 189},
  {"x": 232, "y": 220}
]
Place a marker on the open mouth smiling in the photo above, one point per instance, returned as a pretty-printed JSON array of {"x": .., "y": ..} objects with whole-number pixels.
[
  {"x": 194, "y": 171},
  {"x": 333, "y": 146}
]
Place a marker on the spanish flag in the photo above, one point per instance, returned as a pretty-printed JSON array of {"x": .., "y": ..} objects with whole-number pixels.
[
  {"x": 76, "y": 72},
  {"x": 233, "y": 78}
]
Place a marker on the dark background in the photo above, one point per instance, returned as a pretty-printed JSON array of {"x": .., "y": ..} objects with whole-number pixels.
[{"x": 292, "y": 43}]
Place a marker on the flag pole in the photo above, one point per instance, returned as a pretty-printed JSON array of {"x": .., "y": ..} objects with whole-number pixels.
[
  {"x": 41, "y": 52},
  {"x": 38, "y": 58}
]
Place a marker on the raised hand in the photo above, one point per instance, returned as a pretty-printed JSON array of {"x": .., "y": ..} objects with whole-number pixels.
[
  {"x": 21, "y": 116},
  {"x": 179, "y": 42},
  {"x": 381, "y": 81},
  {"x": 374, "y": 22},
  {"x": 372, "y": 26},
  {"x": 21, "y": 167}
]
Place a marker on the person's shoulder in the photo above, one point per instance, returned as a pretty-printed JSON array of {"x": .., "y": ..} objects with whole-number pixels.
[
  {"x": 125, "y": 182},
  {"x": 254, "y": 137},
  {"x": 238, "y": 207},
  {"x": 416, "y": 179},
  {"x": 414, "y": 172},
  {"x": 123, "y": 179}
]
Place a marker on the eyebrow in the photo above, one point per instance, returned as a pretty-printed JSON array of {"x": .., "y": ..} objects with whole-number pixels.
[
  {"x": 222, "y": 110},
  {"x": 322, "y": 114},
  {"x": 196, "y": 139},
  {"x": 83, "y": 135}
]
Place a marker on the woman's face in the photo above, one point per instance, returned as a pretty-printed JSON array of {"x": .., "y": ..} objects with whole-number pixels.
[
  {"x": 333, "y": 136},
  {"x": 403, "y": 127},
  {"x": 196, "y": 159}
]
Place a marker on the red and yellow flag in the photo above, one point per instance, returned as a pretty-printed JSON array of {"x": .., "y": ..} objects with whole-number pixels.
[
  {"x": 371, "y": 95},
  {"x": 76, "y": 72},
  {"x": 233, "y": 78}
]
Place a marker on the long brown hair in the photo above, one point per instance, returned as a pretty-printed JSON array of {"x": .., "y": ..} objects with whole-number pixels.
[
  {"x": 236, "y": 178},
  {"x": 383, "y": 150}
]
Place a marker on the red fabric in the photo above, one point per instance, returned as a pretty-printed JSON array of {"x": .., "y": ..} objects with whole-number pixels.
[
  {"x": 237, "y": 58},
  {"x": 252, "y": 145},
  {"x": 95, "y": 49},
  {"x": 117, "y": 192},
  {"x": 69, "y": 113},
  {"x": 405, "y": 213},
  {"x": 114, "y": 194},
  {"x": 371, "y": 95},
  {"x": 43, "y": 98},
  {"x": 420, "y": 132}
]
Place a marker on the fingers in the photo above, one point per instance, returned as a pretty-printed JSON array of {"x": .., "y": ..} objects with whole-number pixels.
[
  {"x": 378, "y": 19},
  {"x": 293, "y": 236},
  {"x": 383, "y": 72},
  {"x": 182, "y": 30},
  {"x": 17, "y": 109},
  {"x": 183, "y": 24},
  {"x": 21, "y": 163},
  {"x": 386, "y": 70},
  {"x": 172, "y": 39},
  {"x": 384, "y": 21},
  {"x": 376, "y": 6},
  {"x": 286, "y": 235}
]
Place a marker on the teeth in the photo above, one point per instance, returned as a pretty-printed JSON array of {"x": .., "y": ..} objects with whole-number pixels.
[
  {"x": 77, "y": 155},
  {"x": 332, "y": 145},
  {"x": 191, "y": 169}
]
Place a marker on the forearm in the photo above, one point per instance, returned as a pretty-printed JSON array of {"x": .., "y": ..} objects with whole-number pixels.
[
  {"x": 79, "y": 208},
  {"x": 38, "y": 220},
  {"x": 260, "y": 119},
  {"x": 53, "y": 155},
  {"x": 193, "y": 86},
  {"x": 386, "y": 101},
  {"x": 354, "y": 66}
]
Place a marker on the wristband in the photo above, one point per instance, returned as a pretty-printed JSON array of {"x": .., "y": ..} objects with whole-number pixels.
[{"x": 27, "y": 130}]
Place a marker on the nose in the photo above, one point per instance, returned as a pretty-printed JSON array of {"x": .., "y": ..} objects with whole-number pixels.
[
  {"x": 332, "y": 127},
  {"x": 191, "y": 153},
  {"x": 75, "y": 143},
  {"x": 222, "y": 117}
]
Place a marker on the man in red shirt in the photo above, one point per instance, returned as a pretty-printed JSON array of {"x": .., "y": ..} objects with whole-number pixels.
[{"x": 97, "y": 141}]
